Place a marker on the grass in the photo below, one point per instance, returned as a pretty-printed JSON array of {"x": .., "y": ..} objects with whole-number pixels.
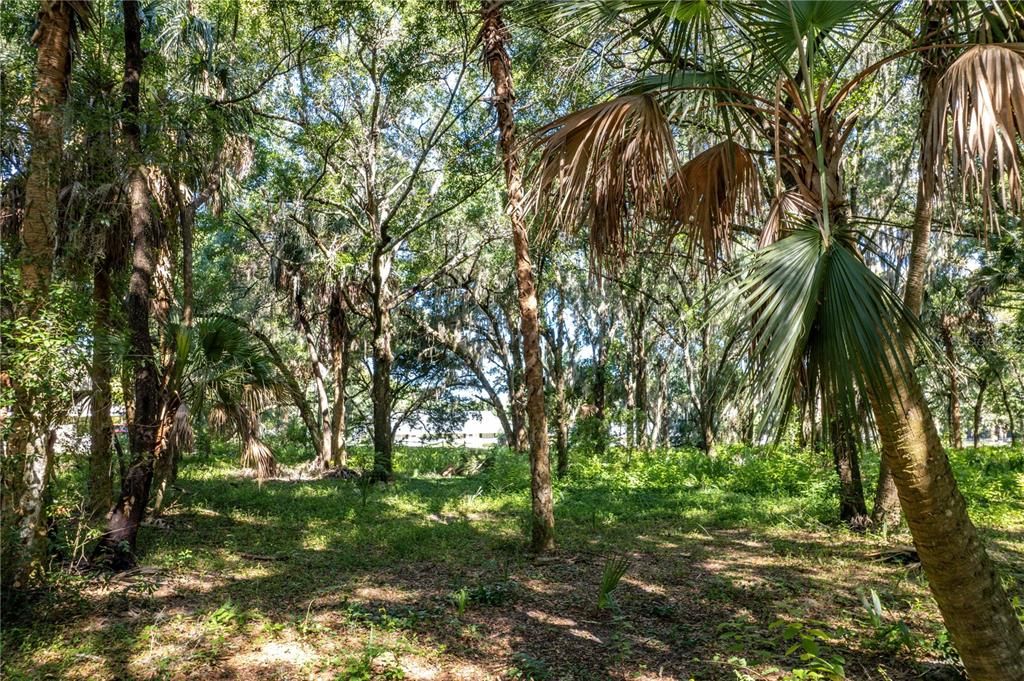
[{"x": 736, "y": 570}]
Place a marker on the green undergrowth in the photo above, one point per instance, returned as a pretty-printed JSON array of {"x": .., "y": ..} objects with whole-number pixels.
[{"x": 262, "y": 554}]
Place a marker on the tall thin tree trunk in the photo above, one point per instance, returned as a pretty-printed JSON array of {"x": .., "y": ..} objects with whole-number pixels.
[
  {"x": 339, "y": 335},
  {"x": 100, "y": 490},
  {"x": 934, "y": 62},
  {"x": 969, "y": 593},
  {"x": 955, "y": 433},
  {"x": 852, "y": 509},
  {"x": 130, "y": 508},
  {"x": 600, "y": 387},
  {"x": 976, "y": 431},
  {"x": 383, "y": 360},
  {"x": 1009, "y": 411},
  {"x": 30, "y": 446},
  {"x": 517, "y": 391},
  {"x": 494, "y": 36},
  {"x": 323, "y": 445}
]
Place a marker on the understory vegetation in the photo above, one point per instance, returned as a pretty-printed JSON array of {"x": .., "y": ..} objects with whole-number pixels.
[
  {"x": 735, "y": 568},
  {"x": 512, "y": 339}
]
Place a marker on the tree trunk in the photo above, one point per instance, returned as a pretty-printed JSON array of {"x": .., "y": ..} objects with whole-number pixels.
[
  {"x": 493, "y": 37},
  {"x": 340, "y": 340},
  {"x": 934, "y": 62},
  {"x": 382, "y": 362},
  {"x": 561, "y": 418},
  {"x": 30, "y": 445},
  {"x": 982, "y": 386},
  {"x": 886, "y": 508},
  {"x": 100, "y": 488},
  {"x": 1009, "y": 412},
  {"x": 130, "y": 508},
  {"x": 946, "y": 331},
  {"x": 970, "y": 596},
  {"x": 323, "y": 445},
  {"x": 517, "y": 391},
  {"x": 46, "y": 130},
  {"x": 852, "y": 509},
  {"x": 600, "y": 386}
]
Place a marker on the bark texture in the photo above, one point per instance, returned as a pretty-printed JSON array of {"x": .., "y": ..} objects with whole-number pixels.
[
  {"x": 130, "y": 508},
  {"x": 852, "y": 509},
  {"x": 29, "y": 449},
  {"x": 494, "y": 38},
  {"x": 100, "y": 491},
  {"x": 933, "y": 64},
  {"x": 969, "y": 593},
  {"x": 46, "y": 130}
]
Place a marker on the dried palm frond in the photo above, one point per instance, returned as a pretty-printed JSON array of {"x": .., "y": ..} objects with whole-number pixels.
[
  {"x": 983, "y": 94},
  {"x": 607, "y": 166},
  {"x": 789, "y": 210},
  {"x": 180, "y": 437},
  {"x": 708, "y": 193},
  {"x": 255, "y": 453}
]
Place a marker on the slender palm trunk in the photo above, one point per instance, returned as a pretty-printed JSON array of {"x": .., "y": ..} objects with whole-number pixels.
[
  {"x": 1009, "y": 412},
  {"x": 383, "y": 359},
  {"x": 600, "y": 387},
  {"x": 934, "y": 62},
  {"x": 100, "y": 426},
  {"x": 561, "y": 417},
  {"x": 978, "y": 402},
  {"x": 323, "y": 430},
  {"x": 955, "y": 435},
  {"x": 494, "y": 37},
  {"x": 970, "y": 596},
  {"x": 339, "y": 335},
  {"x": 143, "y": 436}
]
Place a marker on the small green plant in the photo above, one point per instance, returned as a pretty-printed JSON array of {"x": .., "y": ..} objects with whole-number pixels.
[
  {"x": 460, "y": 599},
  {"x": 493, "y": 593},
  {"x": 891, "y": 636},
  {"x": 367, "y": 665},
  {"x": 528, "y": 668},
  {"x": 614, "y": 569},
  {"x": 809, "y": 642}
]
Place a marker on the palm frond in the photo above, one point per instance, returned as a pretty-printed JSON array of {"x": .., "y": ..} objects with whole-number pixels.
[
  {"x": 819, "y": 310},
  {"x": 789, "y": 210},
  {"x": 983, "y": 94},
  {"x": 707, "y": 195},
  {"x": 180, "y": 438},
  {"x": 606, "y": 166}
]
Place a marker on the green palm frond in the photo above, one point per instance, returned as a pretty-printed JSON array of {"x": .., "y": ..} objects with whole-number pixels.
[{"x": 805, "y": 305}]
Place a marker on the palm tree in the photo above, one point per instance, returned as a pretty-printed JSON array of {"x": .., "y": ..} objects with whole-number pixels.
[
  {"x": 54, "y": 37},
  {"x": 228, "y": 375},
  {"x": 493, "y": 38},
  {"x": 806, "y": 298}
]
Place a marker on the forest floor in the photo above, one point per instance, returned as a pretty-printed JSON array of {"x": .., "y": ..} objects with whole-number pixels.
[{"x": 732, "y": 563}]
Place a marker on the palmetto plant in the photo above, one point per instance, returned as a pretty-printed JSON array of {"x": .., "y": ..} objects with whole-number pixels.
[
  {"x": 227, "y": 376},
  {"x": 777, "y": 78},
  {"x": 614, "y": 571}
]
